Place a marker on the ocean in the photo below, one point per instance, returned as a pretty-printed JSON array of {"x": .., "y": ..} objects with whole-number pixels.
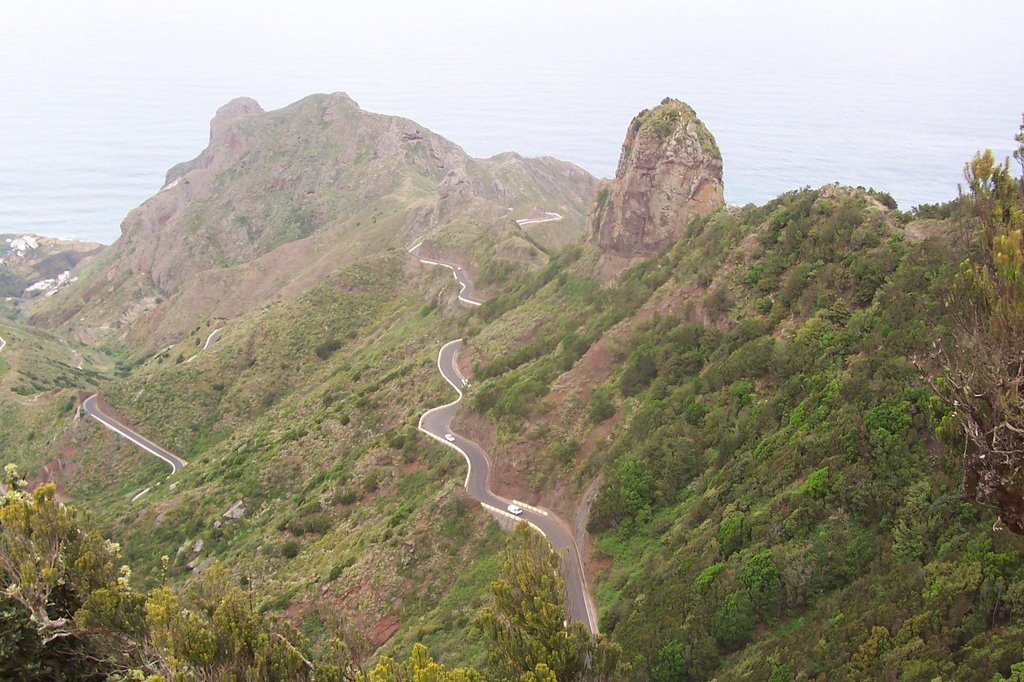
[{"x": 96, "y": 104}]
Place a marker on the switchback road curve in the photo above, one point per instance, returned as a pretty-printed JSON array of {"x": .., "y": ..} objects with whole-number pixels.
[
  {"x": 551, "y": 217},
  {"x": 465, "y": 283},
  {"x": 434, "y": 423},
  {"x": 92, "y": 408}
]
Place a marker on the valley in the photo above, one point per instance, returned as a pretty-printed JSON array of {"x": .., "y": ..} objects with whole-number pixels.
[{"x": 736, "y": 429}]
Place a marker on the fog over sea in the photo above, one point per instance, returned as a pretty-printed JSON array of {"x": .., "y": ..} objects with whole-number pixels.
[{"x": 98, "y": 100}]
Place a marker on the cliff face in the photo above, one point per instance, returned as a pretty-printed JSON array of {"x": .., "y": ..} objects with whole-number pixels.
[
  {"x": 223, "y": 137},
  {"x": 280, "y": 199},
  {"x": 670, "y": 171}
]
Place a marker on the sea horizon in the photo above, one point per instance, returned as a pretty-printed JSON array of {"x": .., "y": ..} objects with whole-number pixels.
[{"x": 98, "y": 109}]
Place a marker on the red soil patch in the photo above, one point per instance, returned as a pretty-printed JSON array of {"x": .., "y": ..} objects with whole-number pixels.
[
  {"x": 384, "y": 630},
  {"x": 56, "y": 471},
  {"x": 411, "y": 468}
]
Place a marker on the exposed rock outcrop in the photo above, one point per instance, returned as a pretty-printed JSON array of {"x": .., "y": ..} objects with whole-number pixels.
[
  {"x": 222, "y": 136},
  {"x": 236, "y": 511},
  {"x": 670, "y": 171}
]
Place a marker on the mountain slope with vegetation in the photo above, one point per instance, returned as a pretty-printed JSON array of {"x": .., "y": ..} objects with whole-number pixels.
[
  {"x": 306, "y": 413},
  {"x": 777, "y": 501},
  {"x": 755, "y": 424},
  {"x": 280, "y": 199}
]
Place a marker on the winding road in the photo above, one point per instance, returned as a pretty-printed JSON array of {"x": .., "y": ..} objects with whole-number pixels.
[
  {"x": 209, "y": 339},
  {"x": 92, "y": 408},
  {"x": 434, "y": 422},
  {"x": 466, "y": 284},
  {"x": 551, "y": 217}
]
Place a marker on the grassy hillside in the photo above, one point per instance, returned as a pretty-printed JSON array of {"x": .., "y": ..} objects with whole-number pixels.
[
  {"x": 279, "y": 200},
  {"x": 355, "y": 525},
  {"x": 776, "y": 498},
  {"x": 34, "y": 361}
]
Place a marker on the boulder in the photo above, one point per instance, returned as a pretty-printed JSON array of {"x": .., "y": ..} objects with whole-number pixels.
[{"x": 237, "y": 511}]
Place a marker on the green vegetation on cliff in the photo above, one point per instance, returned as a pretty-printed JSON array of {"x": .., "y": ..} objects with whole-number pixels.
[{"x": 776, "y": 500}]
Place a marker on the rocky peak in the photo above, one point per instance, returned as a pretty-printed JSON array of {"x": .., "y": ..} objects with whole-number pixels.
[
  {"x": 670, "y": 170},
  {"x": 224, "y": 136},
  {"x": 281, "y": 199},
  {"x": 221, "y": 124}
]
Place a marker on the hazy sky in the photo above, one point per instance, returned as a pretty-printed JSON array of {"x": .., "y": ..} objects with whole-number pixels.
[
  {"x": 75, "y": 72},
  {"x": 57, "y": 42}
]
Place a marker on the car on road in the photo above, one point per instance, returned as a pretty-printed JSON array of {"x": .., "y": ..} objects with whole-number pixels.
[
  {"x": 449, "y": 437},
  {"x": 515, "y": 509},
  {"x": 465, "y": 383}
]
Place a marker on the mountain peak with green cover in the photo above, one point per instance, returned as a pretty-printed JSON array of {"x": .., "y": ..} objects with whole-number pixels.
[{"x": 280, "y": 199}]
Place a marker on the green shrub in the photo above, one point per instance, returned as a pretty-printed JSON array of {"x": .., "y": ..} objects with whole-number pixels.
[
  {"x": 296, "y": 527},
  {"x": 732, "y": 534},
  {"x": 601, "y": 406},
  {"x": 707, "y": 576},
  {"x": 718, "y": 302},
  {"x": 761, "y": 578},
  {"x": 317, "y": 524},
  {"x": 816, "y": 484},
  {"x": 565, "y": 451},
  {"x": 338, "y": 568},
  {"x": 640, "y": 370},
  {"x": 327, "y": 348},
  {"x": 733, "y": 624},
  {"x": 345, "y": 495},
  {"x": 403, "y": 512}
]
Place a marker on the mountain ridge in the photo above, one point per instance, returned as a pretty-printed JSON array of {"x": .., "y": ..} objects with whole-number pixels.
[{"x": 279, "y": 199}]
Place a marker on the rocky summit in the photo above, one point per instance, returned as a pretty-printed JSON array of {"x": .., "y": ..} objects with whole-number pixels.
[{"x": 670, "y": 170}]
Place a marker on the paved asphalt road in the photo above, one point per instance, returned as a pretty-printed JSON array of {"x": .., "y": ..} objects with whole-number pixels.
[
  {"x": 212, "y": 337},
  {"x": 92, "y": 409},
  {"x": 551, "y": 217},
  {"x": 466, "y": 292},
  {"x": 435, "y": 422}
]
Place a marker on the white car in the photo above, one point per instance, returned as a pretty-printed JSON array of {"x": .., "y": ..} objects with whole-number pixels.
[
  {"x": 449, "y": 437},
  {"x": 465, "y": 383},
  {"x": 515, "y": 509}
]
